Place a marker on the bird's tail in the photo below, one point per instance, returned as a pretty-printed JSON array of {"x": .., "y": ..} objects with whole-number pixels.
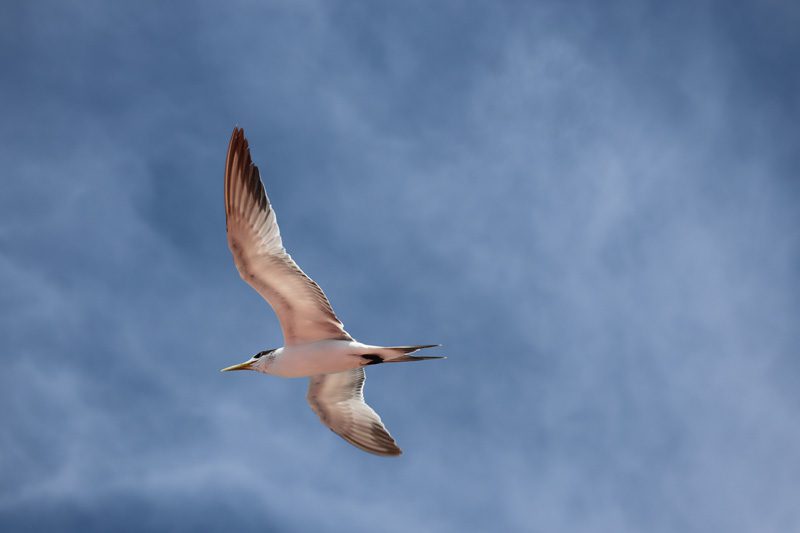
[{"x": 402, "y": 354}]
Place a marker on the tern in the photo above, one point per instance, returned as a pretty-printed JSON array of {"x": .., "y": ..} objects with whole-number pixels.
[{"x": 316, "y": 344}]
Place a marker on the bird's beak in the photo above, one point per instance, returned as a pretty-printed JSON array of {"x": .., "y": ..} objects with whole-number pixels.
[{"x": 240, "y": 366}]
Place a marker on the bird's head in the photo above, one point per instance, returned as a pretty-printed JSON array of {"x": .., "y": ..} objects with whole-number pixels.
[{"x": 251, "y": 364}]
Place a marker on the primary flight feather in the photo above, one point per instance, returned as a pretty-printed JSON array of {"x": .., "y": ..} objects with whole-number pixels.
[{"x": 316, "y": 344}]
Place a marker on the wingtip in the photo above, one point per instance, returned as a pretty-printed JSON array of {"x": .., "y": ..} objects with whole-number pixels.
[
  {"x": 397, "y": 452},
  {"x": 237, "y": 136}
]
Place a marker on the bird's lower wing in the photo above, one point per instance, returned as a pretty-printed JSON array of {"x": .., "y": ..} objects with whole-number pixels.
[
  {"x": 255, "y": 241},
  {"x": 338, "y": 400}
]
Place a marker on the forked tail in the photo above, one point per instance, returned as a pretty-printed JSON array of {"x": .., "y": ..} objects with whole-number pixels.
[{"x": 402, "y": 354}]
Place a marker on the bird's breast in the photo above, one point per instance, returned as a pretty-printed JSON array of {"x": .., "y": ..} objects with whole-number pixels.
[{"x": 323, "y": 357}]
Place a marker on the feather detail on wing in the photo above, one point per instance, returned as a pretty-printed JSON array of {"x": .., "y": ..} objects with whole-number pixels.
[
  {"x": 338, "y": 400},
  {"x": 303, "y": 310}
]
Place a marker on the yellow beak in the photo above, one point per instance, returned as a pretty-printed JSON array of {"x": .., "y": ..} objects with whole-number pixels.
[{"x": 240, "y": 366}]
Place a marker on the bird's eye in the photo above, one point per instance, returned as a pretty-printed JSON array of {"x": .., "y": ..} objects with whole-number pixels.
[{"x": 259, "y": 354}]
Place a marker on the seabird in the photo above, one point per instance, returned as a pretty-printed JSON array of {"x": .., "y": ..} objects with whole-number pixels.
[{"x": 316, "y": 344}]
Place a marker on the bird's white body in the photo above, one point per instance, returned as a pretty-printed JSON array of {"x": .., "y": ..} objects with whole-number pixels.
[{"x": 310, "y": 359}]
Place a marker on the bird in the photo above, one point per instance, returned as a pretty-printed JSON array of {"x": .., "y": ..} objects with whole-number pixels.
[{"x": 316, "y": 344}]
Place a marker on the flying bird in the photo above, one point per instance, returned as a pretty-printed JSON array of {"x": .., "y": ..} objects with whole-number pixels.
[{"x": 316, "y": 344}]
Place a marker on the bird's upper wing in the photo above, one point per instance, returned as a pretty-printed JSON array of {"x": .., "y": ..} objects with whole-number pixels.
[
  {"x": 255, "y": 241},
  {"x": 338, "y": 400}
]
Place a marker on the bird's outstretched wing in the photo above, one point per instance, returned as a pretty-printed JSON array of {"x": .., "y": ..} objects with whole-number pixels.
[
  {"x": 338, "y": 400},
  {"x": 255, "y": 241}
]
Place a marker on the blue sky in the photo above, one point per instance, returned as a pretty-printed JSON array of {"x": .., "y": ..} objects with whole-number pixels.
[{"x": 592, "y": 205}]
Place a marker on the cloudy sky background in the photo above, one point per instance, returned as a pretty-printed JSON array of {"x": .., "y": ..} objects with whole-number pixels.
[{"x": 592, "y": 205}]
